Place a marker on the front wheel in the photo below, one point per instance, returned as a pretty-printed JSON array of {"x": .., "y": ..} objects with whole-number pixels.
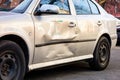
[
  {"x": 12, "y": 61},
  {"x": 101, "y": 55}
]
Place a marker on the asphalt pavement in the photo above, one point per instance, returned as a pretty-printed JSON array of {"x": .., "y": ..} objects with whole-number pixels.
[{"x": 80, "y": 71}]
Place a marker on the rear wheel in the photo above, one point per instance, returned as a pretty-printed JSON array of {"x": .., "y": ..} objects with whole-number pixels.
[
  {"x": 118, "y": 39},
  {"x": 12, "y": 61},
  {"x": 101, "y": 55}
]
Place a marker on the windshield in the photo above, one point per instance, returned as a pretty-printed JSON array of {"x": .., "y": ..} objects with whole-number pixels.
[{"x": 21, "y": 8}]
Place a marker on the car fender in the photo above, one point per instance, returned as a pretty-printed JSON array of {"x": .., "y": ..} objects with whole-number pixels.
[{"x": 27, "y": 36}]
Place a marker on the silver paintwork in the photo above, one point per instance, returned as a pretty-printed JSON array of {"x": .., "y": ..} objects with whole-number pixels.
[{"x": 49, "y": 37}]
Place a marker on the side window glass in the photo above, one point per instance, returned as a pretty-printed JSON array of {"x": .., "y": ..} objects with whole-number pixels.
[
  {"x": 63, "y": 5},
  {"x": 82, "y": 7},
  {"x": 94, "y": 8}
]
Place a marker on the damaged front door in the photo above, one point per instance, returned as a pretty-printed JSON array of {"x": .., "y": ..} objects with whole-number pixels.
[{"x": 52, "y": 32}]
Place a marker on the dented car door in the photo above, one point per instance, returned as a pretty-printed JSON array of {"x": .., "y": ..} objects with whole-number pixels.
[{"x": 52, "y": 33}]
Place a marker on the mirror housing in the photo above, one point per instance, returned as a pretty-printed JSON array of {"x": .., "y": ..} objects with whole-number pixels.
[{"x": 48, "y": 9}]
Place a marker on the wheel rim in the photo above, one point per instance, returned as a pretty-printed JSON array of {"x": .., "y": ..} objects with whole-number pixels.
[
  {"x": 103, "y": 53},
  {"x": 8, "y": 65}
]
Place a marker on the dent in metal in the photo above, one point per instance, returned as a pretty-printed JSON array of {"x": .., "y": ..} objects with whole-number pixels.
[{"x": 56, "y": 31}]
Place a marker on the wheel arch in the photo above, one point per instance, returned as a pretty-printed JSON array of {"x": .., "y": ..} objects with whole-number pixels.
[
  {"x": 99, "y": 62},
  {"x": 103, "y": 35},
  {"x": 108, "y": 37},
  {"x": 20, "y": 42}
]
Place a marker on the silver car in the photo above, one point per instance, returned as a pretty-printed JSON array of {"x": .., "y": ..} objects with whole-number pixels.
[{"x": 44, "y": 33}]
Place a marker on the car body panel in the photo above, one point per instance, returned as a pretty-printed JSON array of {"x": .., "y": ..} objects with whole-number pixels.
[
  {"x": 55, "y": 39},
  {"x": 53, "y": 29},
  {"x": 21, "y": 25}
]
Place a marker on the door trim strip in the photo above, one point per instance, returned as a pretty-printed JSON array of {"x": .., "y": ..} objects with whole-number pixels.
[{"x": 54, "y": 43}]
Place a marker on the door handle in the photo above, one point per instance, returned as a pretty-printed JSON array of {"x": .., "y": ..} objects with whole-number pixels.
[
  {"x": 99, "y": 23},
  {"x": 72, "y": 24}
]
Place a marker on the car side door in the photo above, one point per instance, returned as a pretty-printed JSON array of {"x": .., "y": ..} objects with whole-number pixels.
[
  {"x": 52, "y": 31},
  {"x": 89, "y": 23}
]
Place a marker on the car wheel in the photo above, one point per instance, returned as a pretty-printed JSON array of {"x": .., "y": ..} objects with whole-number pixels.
[
  {"x": 12, "y": 61},
  {"x": 101, "y": 55},
  {"x": 118, "y": 39}
]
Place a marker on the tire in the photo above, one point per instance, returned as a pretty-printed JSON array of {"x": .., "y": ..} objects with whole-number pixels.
[
  {"x": 101, "y": 55},
  {"x": 12, "y": 61},
  {"x": 118, "y": 39}
]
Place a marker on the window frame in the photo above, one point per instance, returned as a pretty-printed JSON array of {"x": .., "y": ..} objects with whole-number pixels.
[
  {"x": 83, "y": 13},
  {"x": 54, "y": 14},
  {"x": 91, "y": 8}
]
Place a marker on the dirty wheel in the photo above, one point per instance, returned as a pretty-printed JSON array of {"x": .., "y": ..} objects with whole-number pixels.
[
  {"x": 12, "y": 61},
  {"x": 101, "y": 55}
]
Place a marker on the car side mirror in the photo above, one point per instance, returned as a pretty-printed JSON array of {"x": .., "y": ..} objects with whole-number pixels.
[{"x": 48, "y": 9}]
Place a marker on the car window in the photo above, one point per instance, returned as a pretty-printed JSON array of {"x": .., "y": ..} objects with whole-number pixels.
[
  {"x": 62, "y": 4},
  {"x": 22, "y": 7},
  {"x": 93, "y": 7},
  {"x": 82, "y": 7}
]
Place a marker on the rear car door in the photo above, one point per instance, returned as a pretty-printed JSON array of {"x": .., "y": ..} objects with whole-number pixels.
[{"x": 89, "y": 22}]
